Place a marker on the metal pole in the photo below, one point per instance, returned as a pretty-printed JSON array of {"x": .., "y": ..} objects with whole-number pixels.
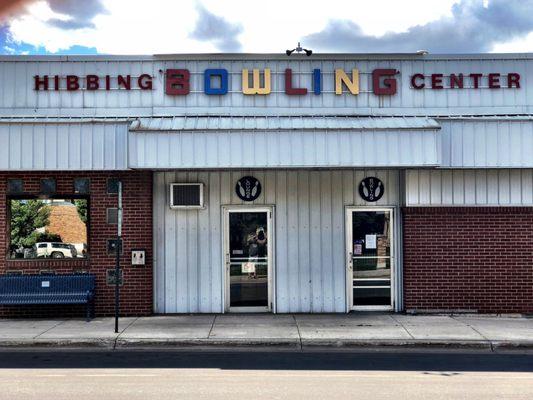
[{"x": 118, "y": 249}]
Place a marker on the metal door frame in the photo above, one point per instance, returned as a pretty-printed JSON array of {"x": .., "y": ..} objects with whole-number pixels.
[
  {"x": 348, "y": 258},
  {"x": 226, "y": 210}
]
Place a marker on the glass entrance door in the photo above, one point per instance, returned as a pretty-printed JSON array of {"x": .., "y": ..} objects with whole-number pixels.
[
  {"x": 370, "y": 258},
  {"x": 248, "y": 259}
]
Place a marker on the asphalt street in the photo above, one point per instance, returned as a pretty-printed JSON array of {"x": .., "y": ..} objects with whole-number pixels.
[{"x": 264, "y": 375}]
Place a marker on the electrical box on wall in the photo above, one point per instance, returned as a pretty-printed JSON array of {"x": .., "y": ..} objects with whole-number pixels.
[
  {"x": 110, "y": 277},
  {"x": 138, "y": 257},
  {"x": 186, "y": 195}
]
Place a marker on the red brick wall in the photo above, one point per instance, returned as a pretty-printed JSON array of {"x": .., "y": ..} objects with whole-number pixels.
[
  {"x": 468, "y": 258},
  {"x": 136, "y": 293}
]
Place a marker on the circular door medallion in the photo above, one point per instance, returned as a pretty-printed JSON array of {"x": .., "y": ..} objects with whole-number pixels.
[
  {"x": 248, "y": 188},
  {"x": 371, "y": 189}
]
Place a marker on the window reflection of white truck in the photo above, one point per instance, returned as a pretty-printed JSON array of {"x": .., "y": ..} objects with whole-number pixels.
[{"x": 56, "y": 250}]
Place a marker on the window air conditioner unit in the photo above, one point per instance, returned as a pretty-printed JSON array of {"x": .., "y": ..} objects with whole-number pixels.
[{"x": 186, "y": 195}]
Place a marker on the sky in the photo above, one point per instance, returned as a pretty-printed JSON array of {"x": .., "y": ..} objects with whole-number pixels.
[{"x": 267, "y": 26}]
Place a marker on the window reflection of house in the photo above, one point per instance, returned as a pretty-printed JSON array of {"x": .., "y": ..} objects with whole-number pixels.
[{"x": 65, "y": 221}]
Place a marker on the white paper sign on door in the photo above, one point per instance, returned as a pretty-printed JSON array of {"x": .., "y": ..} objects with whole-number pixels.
[
  {"x": 370, "y": 241},
  {"x": 248, "y": 268}
]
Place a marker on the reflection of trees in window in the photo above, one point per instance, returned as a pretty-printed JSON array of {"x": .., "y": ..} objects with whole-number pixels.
[
  {"x": 81, "y": 205},
  {"x": 27, "y": 218}
]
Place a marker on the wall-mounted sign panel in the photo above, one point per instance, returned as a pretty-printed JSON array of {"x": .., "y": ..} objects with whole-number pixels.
[
  {"x": 248, "y": 188},
  {"x": 178, "y": 82},
  {"x": 371, "y": 189},
  {"x": 264, "y": 84}
]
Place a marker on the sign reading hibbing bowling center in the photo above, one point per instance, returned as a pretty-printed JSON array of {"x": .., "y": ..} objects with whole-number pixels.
[{"x": 259, "y": 82}]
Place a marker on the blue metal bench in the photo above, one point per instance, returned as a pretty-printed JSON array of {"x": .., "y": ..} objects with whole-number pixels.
[{"x": 48, "y": 289}]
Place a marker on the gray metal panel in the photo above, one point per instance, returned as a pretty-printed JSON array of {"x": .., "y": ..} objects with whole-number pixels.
[
  {"x": 505, "y": 142},
  {"x": 309, "y": 237},
  {"x": 36, "y": 146},
  {"x": 19, "y": 98},
  {"x": 279, "y": 149},
  {"x": 460, "y": 187}
]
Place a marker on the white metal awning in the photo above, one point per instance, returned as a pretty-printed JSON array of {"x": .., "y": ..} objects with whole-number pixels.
[
  {"x": 283, "y": 142},
  {"x": 63, "y": 144},
  {"x": 217, "y": 142},
  {"x": 204, "y": 123}
]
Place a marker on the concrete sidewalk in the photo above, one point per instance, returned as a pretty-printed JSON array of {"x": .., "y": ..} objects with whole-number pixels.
[{"x": 283, "y": 331}]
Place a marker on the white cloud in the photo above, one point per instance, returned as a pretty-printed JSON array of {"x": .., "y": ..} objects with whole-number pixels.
[
  {"x": 274, "y": 25},
  {"x": 32, "y": 28},
  {"x": 163, "y": 26},
  {"x": 523, "y": 45},
  {"x": 42, "y": 11}
]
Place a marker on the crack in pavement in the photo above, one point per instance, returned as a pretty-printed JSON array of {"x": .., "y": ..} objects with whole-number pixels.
[
  {"x": 475, "y": 330},
  {"x": 49, "y": 329},
  {"x": 122, "y": 331},
  {"x": 402, "y": 325},
  {"x": 212, "y": 326},
  {"x": 298, "y": 330}
]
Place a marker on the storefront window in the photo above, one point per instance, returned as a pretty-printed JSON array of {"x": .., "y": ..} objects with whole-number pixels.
[{"x": 48, "y": 229}]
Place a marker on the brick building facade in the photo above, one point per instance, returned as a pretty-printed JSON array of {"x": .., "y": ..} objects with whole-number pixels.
[
  {"x": 470, "y": 259},
  {"x": 265, "y": 183},
  {"x": 136, "y": 293}
]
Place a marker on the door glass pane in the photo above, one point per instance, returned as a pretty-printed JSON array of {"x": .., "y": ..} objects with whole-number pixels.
[
  {"x": 371, "y": 233},
  {"x": 371, "y": 258},
  {"x": 248, "y": 257},
  {"x": 371, "y": 268},
  {"x": 376, "y": 296}
]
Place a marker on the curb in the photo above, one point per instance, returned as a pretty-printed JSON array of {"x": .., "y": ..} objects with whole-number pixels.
[
  {"x": 400, "y": 343},
  {"x": 512, "y": 345},
  {"x": 58, "y": 344},
  {"x": 269, "y": 343},
  {"x": 211, "y": 343}
]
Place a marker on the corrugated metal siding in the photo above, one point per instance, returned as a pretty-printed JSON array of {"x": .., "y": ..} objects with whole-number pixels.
[
  {"x": 478, "y": 143},
  {"x": 18, "y": 96},
  {"x": 63, "y": 146},
  {"x": 309, "y": 237},
  {"x": 291, "y": 149},
  {"x": 505, "y": 187}
]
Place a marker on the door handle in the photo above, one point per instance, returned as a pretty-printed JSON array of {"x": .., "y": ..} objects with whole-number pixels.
[{"x": 350, "y": 261}]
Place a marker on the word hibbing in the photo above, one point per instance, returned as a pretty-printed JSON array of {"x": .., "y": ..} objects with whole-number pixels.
[{"x": 258, "y": 82}]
